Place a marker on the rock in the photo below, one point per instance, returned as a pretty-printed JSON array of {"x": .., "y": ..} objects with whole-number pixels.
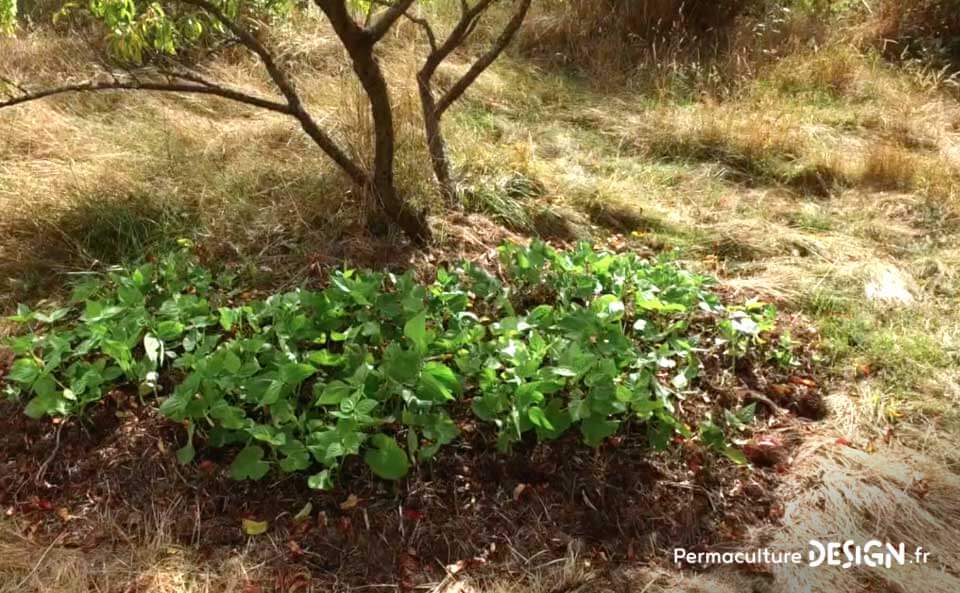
[{"x": 888, "y": 284}]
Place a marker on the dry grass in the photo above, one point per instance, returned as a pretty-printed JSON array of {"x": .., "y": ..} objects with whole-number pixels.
[
  {"x": 904, "y": 27},
  {"x": 894, "y": 495},
  {"x": 152, "y": 563},
  {"x": 889, "y": 168},
  {"x": 93, "y": 179}
]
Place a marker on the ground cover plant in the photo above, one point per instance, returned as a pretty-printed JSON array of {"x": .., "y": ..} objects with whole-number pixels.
[{"x": 375, "y": 363}]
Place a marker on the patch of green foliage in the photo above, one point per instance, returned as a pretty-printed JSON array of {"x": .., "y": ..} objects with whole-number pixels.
[{"x": 375, "y": 363}]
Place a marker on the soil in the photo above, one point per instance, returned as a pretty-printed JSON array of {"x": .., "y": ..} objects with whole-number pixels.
[{"x": 621, "y": 502}]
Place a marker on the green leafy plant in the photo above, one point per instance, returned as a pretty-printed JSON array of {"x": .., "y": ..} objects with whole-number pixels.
[{"x": 370, "y": 366}]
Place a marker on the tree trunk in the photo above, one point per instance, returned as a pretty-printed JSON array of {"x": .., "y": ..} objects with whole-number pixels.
[
  {"x": 359, "y": 44},
  {"x": 436, "y": 144},
  {"x": 413, "y": 223}
]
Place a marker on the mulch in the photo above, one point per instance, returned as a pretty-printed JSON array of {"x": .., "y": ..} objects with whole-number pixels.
[{"x": 619, "y": 503}]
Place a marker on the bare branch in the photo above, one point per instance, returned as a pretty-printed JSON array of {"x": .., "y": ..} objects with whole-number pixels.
[
  {"x": 253, "y": 44},
  {"x": 420, "y": 22},
  {"x": 468, "y": 16},
  {"x": 433, "y": 109},
  {"x": 425, "y": 25},
  {"x": 12, "y": 84},
  {"x": 360, "y": 43},
  {"x": 484, "y": 61},
  {"x": 287, "y": 88},
  {"x": 379, "y": 28},
  {"x": 169, "y": 87}
]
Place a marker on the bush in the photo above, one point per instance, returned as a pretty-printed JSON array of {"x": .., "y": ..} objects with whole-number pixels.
[
  {"x": 379, "y": 364},
  {"x": 578, "y": 27},
  {"x": 919, "y": 28}
]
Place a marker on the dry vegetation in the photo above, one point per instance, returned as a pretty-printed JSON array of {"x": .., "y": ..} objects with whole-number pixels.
[{"x": 780, "y": 150}]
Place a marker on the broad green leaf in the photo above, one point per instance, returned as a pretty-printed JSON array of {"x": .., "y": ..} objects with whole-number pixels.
[
  {"x": 333, "y": 393},
  {"x": 539, "y": 418},
  {"x": 325, "y": 358},
  {"x": 596, "y": 428},
  {"x": 386, "y": 459},
  {"x": 438, "y": 382},
  {"x": 231, "y": 362},
  {"x": 295, "y": 373},
  {"x": 401, "y": 365},
  {"x": 735, "y": 455},
  {"x": 249, "y": 464},
  {"x": 46, "y": 404},
  {"x": 227, "y": 318},
  {"x": 186, "y": 454},
  {"x": 416, "y": 331},
  {"x": 24, "y": 370},
  {"x": 320, "y": 481}
]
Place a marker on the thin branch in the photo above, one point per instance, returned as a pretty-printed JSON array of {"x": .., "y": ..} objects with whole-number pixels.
[
  {"x": 420, "y": 22},
  {"x": 468, "y": 17},
  {"x": 484, "y": 61},
  {"x": 38, "y": 480},
  {"x": 168, "y": 87},
  {"x": 425, "y": 25},
  {"x": 253, "y": 44},
  {"x": 12, "y": 83},
  {"x": 287, "y": 88},
  {"x": 378, "y": 29},
  {"x": 186, "y": 75}
]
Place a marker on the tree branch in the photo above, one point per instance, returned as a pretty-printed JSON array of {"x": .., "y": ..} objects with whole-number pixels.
[
  {"x": 456, "y": 37},
  {"x": 287, "y": 88},
  {"x": 379, "y": 28},
  {"x": 420, "y": 22},
  {"x": 169, "y": 87},
  {"x": 484, "y": 61}
]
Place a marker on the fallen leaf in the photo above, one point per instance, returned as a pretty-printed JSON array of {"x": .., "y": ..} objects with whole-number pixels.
[
  {"x": 781, "y": 390},
  {"x": 518, "y": 491},
  {"x": 412, "y": 514},
  {"x": 304, "y": 513},
  {"x": 208, "y": 467},
  {"x": 408, "y": 567},
  {"x": 65, "y": 515},
  {"x": 803, "y": 381},
  {"x": 252, "y": 527},
  {"x": 351, "y": 502},
  {"x": 765, "y": 451}
]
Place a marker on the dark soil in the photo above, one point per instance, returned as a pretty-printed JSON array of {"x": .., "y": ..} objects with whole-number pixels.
[{"x": 622, "y": 502}]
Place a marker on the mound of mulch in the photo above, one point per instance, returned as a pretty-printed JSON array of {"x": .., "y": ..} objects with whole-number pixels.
[{"x": 471, "y": 505}]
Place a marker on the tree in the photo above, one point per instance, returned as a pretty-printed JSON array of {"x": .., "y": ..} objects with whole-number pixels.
[
  {"x": 141, "y": 29},
  {"x": 433, "y": 108}
]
